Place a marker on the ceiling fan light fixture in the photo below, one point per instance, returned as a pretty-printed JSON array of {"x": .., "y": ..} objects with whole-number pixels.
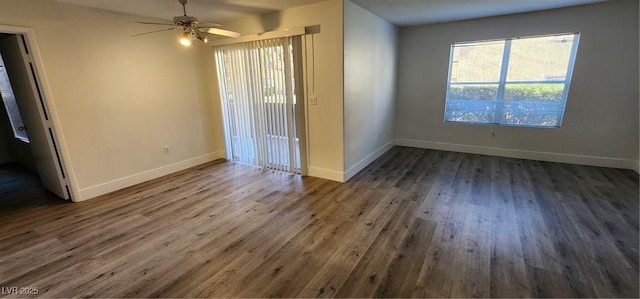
[
  {"x": 203, "y": 38},
  {"x": 186, "y": 39}
]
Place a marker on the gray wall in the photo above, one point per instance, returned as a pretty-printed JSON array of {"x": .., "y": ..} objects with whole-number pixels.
[
  {"x": 600, "y": 124},
  {"x": 370, "y": 50}
]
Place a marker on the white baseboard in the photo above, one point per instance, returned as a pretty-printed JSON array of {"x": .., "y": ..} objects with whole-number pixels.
[
  {"x": 326, "y": 174},
  {"x": 104, "y": 188},
  {"x": 522, "y": 154},
  {"x": 353, "y": 170}
]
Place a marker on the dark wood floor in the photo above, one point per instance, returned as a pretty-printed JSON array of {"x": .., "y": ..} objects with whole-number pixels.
[
  {"x": 20, "y": 189},
  {"x": 415, "y": 223}
]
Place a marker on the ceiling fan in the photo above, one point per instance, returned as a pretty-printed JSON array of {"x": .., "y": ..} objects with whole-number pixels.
[{"x": 191, "y": 28}]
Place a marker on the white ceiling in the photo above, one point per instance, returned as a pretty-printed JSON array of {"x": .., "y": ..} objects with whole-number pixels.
[
  {"x": 414, "y": 12},
  {"x": 399, "y": 12},
  {"x": 205, "y": 10}
]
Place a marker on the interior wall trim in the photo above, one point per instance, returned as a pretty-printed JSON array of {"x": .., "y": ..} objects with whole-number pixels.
[
  {"x": 353, "y": 170},
  {"x": 259, "y": 36},
  {"x": 522, "y": 154},
  {"x": 104, "y": 188},
  {"x": 327, "y": 174}
]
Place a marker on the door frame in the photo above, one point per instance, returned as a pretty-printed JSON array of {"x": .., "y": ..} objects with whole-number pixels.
[{"x": 49, "y": 105}]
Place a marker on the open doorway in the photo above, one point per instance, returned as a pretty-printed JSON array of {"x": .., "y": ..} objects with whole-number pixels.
[{"x": 28, "y": 141}]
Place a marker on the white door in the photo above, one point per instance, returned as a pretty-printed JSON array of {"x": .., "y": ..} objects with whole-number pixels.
[{"x": 25, "y": 88}]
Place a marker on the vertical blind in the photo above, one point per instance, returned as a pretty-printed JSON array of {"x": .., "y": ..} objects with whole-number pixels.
[{"x": 260, "y": 88}]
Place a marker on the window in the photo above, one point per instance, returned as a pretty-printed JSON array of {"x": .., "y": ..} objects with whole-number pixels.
[
  {"x": 6, "y": 92},
  {"x": 517, "y": 82}
]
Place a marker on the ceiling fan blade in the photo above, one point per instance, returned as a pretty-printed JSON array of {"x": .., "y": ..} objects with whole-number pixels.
[
  {"x": 155, "y": 31},
  {"x": 218, "y": 31},
  {"x": 155, "y": 23},
  {"x": 209, "y": 24}
]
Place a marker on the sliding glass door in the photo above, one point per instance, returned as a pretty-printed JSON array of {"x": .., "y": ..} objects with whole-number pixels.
[{"x": 261, "y": 91}]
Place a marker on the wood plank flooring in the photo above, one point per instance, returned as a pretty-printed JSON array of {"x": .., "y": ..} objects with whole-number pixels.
[
  {"x": 20, "y": 189},
  {"x": 415, "y": 223}
]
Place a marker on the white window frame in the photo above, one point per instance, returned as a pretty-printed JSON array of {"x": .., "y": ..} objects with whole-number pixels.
[{"x": 497, "y": 114}]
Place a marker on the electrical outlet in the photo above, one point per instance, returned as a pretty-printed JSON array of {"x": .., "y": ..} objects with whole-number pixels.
[
  {"x": 313, "y": 100},
  {"x": 166, "y": 150}
]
